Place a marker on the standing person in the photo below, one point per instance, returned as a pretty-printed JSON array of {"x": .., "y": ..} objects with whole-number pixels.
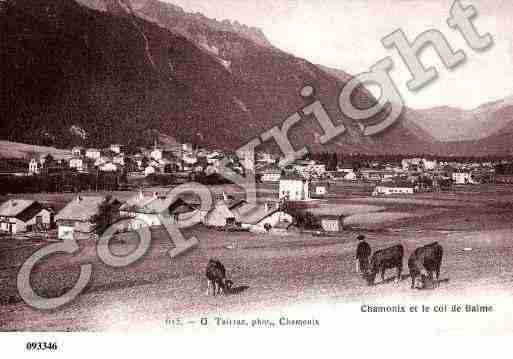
[{"x": 363, "y": 252}]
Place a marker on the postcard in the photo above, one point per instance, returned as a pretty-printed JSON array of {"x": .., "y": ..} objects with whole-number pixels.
[{"x": 321, "y": 177}]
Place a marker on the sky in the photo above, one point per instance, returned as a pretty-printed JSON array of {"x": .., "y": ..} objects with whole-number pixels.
[{"x": 346, "y": 34}]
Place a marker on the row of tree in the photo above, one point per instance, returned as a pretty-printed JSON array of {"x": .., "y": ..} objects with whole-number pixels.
[{"x": 64, "y": 182}]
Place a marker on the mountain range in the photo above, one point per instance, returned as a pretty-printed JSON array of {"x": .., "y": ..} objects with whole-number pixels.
[
  {"x": 96, "y": 71},
  {"x": 455, "y": 124}
]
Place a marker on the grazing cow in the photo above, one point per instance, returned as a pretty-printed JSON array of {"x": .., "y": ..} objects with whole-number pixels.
[
  {"x": 216, "y": 278},
  {"x": 384, "y": 259},
  {"x": 424, "y": 262}
]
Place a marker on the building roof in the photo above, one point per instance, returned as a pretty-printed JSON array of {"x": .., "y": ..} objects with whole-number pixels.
[
  {"x": 248, "y": 215},
  {"x": 159, "y": 204},
  {"x": 222, "y": 209},
  {"x": 138, "y": 201},
  {"x": 271, "y": 168},
  {"x": 292, "y": 177},
  {"x": 282, "y": 225},
  {"x": 331, "y": 216},
  {"x": 15, "y": 207},
  {"x": 81, "y": 208},
  {"x": 235, "y": 203},
  {"x": 400, "y": 184}
]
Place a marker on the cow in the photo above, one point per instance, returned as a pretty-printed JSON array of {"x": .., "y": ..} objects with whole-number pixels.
[
  {"x": 384, "y": 259},
  {"x": 216, "y": 278},
  {"x": 424, "y": 262}
]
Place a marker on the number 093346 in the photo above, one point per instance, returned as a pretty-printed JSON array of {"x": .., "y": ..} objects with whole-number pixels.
[{"x": 41, "y": 346}]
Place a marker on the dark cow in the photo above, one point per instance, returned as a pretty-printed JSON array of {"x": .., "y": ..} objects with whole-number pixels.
[
  {"x": 216, "y": 278},
  {"x": 424, "y": 262},
  {"x": 384, "y": 259}
]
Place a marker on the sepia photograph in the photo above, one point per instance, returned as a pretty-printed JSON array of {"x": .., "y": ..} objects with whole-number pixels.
[{"x": 247, "y": 174}]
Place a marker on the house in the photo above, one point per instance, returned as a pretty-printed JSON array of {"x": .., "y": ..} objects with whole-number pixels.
[
  {"x": 188, "y": 147},
  {"x": 215, "y": 159},
  {"x": 18, "y": 215},
  {"x": 78, "y": 163},
  {"x": 348, "y": 171},
  {"x": 412, "y": 164},
  {"x": 224, "y": 211},
  {"x": 294, "y": 188},
  {"x": 263, "y": 216},
  {"x": 189, "y": 161},
  {"x": 319, "y": 169},
  {"x": 146, "y": 209},
  {"x": 34, "y": 167},
  {"x": 101, "y": 161},
  {"x": 332, "y": 223},
  {"x": 345, "y": 168},
  {"x": 83, "y": 216},
  {"x": 150, "y": 170},
  {"x": 463, "y": 177},
  {"x": 369, "y": 174},
  {"x": 109, "y": 167},
  {"x": 393, "y": 188},
  {"x": 93, "y": 153},
  {"x": 77, "y": 151},
  {"x": 429, "y": 165},
  {"x": 220, "y": 215},
  {"x": 156, "y": 154},
  {"x": 320, "y": 190},
  {"x": 116, "y": 148},
  {"x": 270, "y": 174},
  {"x": 119, "y": 159},
  {"x": 282, "y": 228}
]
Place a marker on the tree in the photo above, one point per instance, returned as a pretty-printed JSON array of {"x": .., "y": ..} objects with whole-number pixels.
[
  {"x": 145, "y": 162},
  {"x": 106, "y": 214}
]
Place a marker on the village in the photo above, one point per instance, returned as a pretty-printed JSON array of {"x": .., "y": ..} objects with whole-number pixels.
[{"x": 88, "y": 175}]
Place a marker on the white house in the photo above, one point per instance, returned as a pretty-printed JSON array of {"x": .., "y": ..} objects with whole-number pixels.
[
  {"x": 189, "y": 162},
  {"x": 80, "y": 216},
  {"x": 429, "y": 165},
  {"x": 116, "y": 148},
  {"x": 149, "y": 171},
  {"x": 331, "y": 223},
  {"x": 101, "y": 161},
  {"x": 109, "y": 167},
  {"x": 463, "y": 178},
  {"x": 220, "y": 215},
  {"x": 294, "y": 188},
  {"x": 146, "y": 208},
  {"x": 77, "y": 163},
  {"x": 349, "y": 172},
  {"x": 320, "y": 190},
  {"x": 93, "y": 153},
  {"x": 18, "y": 215},
  {"x": 77, "y": 151},
  {"x": 119, "y": 159},
  {"x": 411, "y": 163},
  {"x": 157, "y": 154},
  {"x": 393, "y": 188},
  {"x": 34, "y": 167}
]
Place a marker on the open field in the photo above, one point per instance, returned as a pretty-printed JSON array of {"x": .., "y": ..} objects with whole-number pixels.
[
  {"x": 22, "y": 150},
  {"x": 277, "y": 272}
]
